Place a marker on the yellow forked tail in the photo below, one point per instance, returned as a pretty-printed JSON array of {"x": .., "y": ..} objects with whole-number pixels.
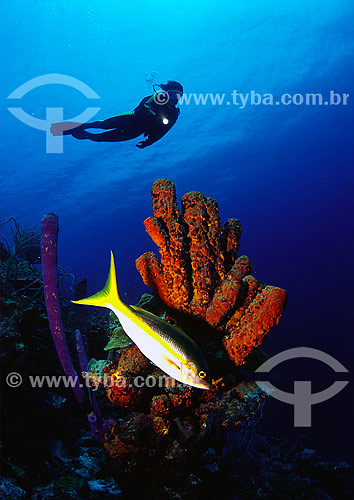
[{"x": 107, "y": 297}]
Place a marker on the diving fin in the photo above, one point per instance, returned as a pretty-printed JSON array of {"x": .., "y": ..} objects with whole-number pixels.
[{"x": 64, "y": 128}]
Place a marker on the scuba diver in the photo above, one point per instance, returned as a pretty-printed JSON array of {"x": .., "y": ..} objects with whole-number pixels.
[{"x": 154, "y": 116}]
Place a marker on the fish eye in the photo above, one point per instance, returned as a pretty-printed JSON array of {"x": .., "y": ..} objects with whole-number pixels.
[{"x": 202, "y": 374}]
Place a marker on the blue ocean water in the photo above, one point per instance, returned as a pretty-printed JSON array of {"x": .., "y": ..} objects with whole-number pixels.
[{"x": 286, "y": 171}]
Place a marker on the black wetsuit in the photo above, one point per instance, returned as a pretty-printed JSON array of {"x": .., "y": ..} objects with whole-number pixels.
[{"x": 148, "y": 118}]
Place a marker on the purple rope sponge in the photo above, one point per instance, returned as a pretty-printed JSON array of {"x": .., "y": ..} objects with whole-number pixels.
[{"x": 49, "y": 239}]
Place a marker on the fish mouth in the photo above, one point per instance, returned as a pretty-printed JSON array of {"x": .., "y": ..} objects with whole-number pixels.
[
  {"x": 192, "y": 378},
  {"x": 203, "y": 384}
]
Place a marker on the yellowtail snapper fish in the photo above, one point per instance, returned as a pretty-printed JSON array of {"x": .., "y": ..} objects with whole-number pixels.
[{"x": 165, "y": 345}]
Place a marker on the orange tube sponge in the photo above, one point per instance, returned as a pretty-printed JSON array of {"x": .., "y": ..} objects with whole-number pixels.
[{"x": 200, "y": 274}]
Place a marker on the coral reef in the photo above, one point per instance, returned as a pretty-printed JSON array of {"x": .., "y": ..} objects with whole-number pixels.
[
  {"x": 25, "y": 242},
  {"x": 200, "y": 274},
  {"x": 203, "y": 287},
  {"x": 46, "y": 451},
  {"x": 163, "y": 441},
  {"x": 21, "y": 284}
]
